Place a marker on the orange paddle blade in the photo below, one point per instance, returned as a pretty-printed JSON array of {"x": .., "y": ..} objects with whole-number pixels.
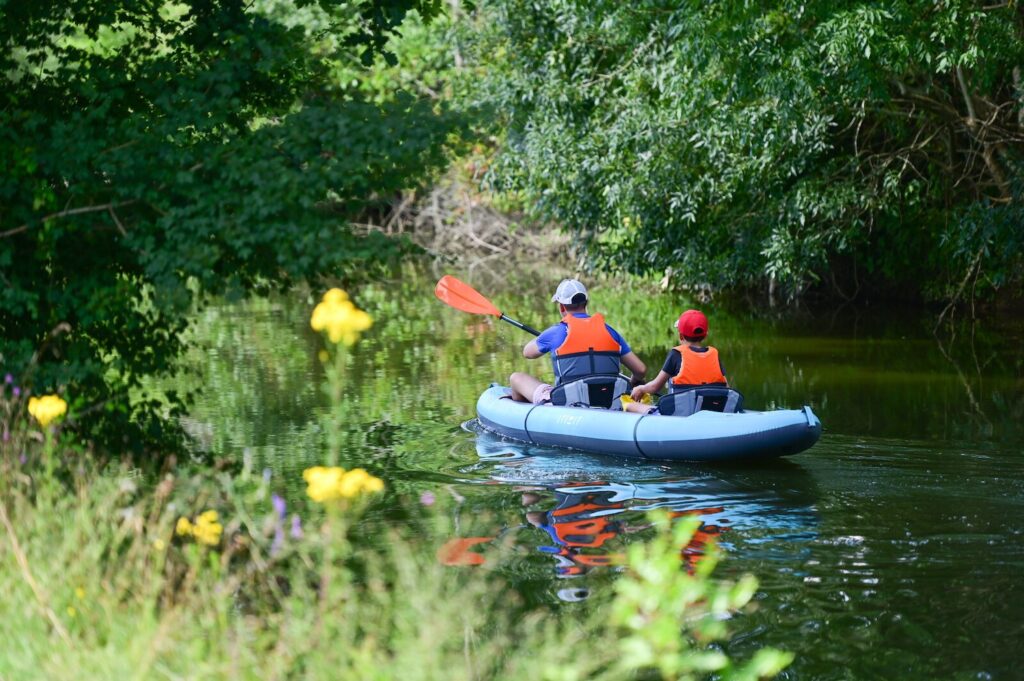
[{"x": 463, "y": 297}]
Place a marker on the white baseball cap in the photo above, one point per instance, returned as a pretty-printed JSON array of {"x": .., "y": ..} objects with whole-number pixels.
[{"x": 567, "y": 290}]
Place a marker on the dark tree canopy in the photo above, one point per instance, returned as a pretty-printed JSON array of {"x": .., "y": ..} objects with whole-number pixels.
[
  {"x": 158, "y": 152},
  {"x": 785, "y": 143}
]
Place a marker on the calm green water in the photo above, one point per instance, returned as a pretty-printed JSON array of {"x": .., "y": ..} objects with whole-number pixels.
[{"x": 892, "y": 549}]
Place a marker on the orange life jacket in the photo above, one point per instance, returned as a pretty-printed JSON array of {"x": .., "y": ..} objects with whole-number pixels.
[
  {"x": 588, "y": 350},
  {"x": 698, "y": 368}
]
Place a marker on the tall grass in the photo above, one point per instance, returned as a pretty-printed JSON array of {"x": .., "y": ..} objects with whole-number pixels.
[{"x": 96, "y": 584}]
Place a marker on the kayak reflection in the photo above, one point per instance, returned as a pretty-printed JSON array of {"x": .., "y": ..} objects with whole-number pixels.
[
  {"x": 586, "y": 509},
  {"x": 586, "y": 518}
]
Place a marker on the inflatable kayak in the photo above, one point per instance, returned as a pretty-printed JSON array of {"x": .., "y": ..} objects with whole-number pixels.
[{"x": 703, "y": 436}]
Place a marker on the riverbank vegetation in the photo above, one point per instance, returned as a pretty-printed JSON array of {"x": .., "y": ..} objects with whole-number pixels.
[
  {"x": 216, "y": 571},
  {"x": 104, "y": 577}
]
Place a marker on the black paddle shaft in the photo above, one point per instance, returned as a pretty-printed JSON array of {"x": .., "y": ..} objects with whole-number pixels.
[{"x": 524, "y": 327}]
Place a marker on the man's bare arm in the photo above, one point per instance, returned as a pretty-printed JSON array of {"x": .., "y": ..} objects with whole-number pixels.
[
  {"x": 634, "y": 364},
  {"x": 530, "y": 350}
]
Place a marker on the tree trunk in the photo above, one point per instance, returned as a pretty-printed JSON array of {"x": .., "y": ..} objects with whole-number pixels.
[{"x": 980, "y": 133}]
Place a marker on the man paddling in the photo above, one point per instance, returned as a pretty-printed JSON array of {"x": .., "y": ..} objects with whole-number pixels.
[{"x": 584, "y": 352}]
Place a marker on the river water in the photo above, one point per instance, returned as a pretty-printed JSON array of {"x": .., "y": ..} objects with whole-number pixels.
[{"x": 894, "y": 548}]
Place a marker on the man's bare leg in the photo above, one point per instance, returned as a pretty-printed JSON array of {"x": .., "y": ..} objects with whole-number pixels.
[{"x": 523, "y": 386}]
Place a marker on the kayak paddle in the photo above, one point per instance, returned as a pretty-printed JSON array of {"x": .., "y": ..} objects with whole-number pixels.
[{"x": 462, "y": 296}]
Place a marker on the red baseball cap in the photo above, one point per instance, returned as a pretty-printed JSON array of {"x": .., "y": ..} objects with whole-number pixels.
[{"x": 692, "y": 324}]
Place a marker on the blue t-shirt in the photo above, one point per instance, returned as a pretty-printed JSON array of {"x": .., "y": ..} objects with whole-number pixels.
[{"x": 554, "y": 336}]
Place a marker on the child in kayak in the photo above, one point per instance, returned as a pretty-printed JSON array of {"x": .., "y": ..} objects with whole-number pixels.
[{"x": 688, "y": 365}]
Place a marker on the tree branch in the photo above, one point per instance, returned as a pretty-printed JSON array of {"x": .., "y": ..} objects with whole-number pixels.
[
  {"x": 73, "y": 211},
  {"x": 980, "y": 133},
  {"x": 975, "y": 265},
  {"x": 972, "y": 116},
  {"x": 1018, "y": 86}
]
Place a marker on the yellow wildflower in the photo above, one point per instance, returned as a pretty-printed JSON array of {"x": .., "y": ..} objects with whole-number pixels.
[
  {"x": 340, "y": 318},
  {"x": 352, "y": 483},
  {"x": 71, "y": 611},
  {"x": 334, "y": 296},
  {"x": 322, "y": 482},
  {"x": 47, "y": 408},
  {"x": 333, "y": 483},
  {"x": 207, "y": 530},
  {"x": 80, "y": 593},
  {"x": 208, "y": 534},
  {"x": 159, "y": 545},
  {"x": 184, "y": 527}
]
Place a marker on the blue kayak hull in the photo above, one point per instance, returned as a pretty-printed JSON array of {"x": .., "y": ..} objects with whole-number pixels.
[{"x": 704, "y": 436}]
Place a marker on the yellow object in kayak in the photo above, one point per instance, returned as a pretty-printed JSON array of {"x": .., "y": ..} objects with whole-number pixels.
[{"x": 626, "y": 399}]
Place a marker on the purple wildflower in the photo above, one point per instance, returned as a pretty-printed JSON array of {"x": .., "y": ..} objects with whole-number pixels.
[
  {"x": 278, "y": 543},
  {"x": 16, "y": 391},
  {"x": 23, "y": 459},
  {"x": 296, "y": 531},
  {"x": 280, "y": 507},
  {"x": 8, "y": 379},
  {"x": 428, "y": 498}
]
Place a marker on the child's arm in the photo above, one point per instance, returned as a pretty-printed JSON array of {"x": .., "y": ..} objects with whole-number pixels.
[{"x": 647, "y": 388}]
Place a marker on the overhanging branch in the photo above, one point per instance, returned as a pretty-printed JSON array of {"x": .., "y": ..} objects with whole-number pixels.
[{"x": 73, "y": 211}]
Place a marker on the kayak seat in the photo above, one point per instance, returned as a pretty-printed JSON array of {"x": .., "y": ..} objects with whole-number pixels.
[
  {"x": 689, "y": 402},
  {"x": 603, "y": 392}
]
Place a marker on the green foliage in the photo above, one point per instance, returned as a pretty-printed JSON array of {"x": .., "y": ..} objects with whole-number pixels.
[
  {"x": 157, "y": 153},
  {"x": 655, "y": 595},
  {"x": 743, "y": 143},
  {"x": 990, "y": 238}
]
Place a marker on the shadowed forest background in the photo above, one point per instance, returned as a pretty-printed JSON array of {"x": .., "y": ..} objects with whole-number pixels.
[{"x": 160, "y": 153}]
